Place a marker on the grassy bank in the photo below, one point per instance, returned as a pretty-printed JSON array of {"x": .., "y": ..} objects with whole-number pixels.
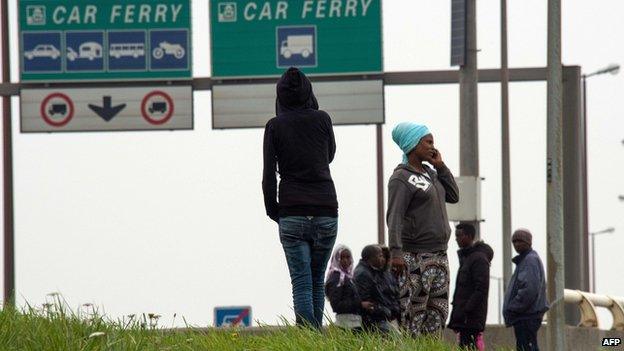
[{"x": 58, "y": 328}]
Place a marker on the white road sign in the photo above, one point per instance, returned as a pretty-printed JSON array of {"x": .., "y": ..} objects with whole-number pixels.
[
  {"x": 104, "y": 109},
  {"x": 252, "y": 105}
]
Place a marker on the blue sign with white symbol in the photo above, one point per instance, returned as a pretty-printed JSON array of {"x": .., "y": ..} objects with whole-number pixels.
[
  {"x": 85, "y": 51},
  {"x": 296, "y": 46},
  {"x": 169, "y": 49},
  {"x": 232, "y": 316},
  {"x": 42, "y": 52},
  {"x": 127, "y": 50}
]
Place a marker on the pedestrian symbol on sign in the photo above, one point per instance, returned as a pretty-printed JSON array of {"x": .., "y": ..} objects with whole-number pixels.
[{"x": 227, "y": 12}]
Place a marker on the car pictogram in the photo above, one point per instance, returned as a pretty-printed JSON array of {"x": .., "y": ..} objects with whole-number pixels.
[{"x": 43, "y": 50}]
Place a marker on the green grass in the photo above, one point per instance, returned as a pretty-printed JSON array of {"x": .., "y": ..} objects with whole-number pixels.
[{"x": 55, "y": 327}]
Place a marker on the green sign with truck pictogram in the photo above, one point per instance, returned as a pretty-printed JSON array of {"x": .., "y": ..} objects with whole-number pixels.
[{"x": 255, "y": 38}]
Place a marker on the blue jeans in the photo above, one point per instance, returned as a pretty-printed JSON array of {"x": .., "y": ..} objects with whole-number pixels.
[{"x": 307, "y": 243}]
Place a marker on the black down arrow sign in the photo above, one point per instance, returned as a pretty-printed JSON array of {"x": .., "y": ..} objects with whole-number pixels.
[{"x": 106, "y": 111}]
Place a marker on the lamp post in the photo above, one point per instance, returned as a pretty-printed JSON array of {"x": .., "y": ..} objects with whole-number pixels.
[
  {"x": 593, "y": 246},
  {"x": 499, "y": 281},
  {"x": 612, "y": 69}
]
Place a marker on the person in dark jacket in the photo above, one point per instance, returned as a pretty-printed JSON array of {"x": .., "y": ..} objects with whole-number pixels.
[
  {"x": 299, "y": 145},
  {"x": 470, "y": 300},
  {"x": 418, "y": 228},
  {"x": 377, "y": 309},
  {"x": 525, "y": 300},
  {"x": 341, "y": 291},
  {"x": 390, "y": 288}
]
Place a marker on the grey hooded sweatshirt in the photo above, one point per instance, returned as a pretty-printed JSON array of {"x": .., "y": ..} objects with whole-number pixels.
[{"x": 417, "y": 219}]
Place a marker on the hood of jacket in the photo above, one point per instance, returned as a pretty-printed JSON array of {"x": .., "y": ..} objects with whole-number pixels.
[
  {"x": 294, "y": 92},
  {"x": 479, "y": 246}
]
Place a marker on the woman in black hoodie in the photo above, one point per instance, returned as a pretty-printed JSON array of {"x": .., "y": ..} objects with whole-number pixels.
[{"x": 299, "y": 145}]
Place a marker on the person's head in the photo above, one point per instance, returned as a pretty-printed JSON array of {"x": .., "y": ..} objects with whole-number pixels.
[
  {"x": 465, "y": 234},
  {"x": 341, "y": 262},
  {"x": 373, "y": 255},
  {"x": 522, "y": 240},
  {"x": 346, "y": 259},
  {"x": 423, "y": 151},
  {"x": 294, "y": 91},
  {"x": 415, "y": 140}
]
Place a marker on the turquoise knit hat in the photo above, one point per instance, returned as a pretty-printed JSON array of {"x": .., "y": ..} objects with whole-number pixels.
[{"x": 407, "y": 135}]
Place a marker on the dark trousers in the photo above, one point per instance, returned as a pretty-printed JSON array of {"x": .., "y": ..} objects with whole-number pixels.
[
  {"x": 526, "y": 334},
  {"x": 468, "y": 339}
]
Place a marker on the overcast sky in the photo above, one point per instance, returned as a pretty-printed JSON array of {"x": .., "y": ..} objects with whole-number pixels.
[{"x": 173, "y": 222}]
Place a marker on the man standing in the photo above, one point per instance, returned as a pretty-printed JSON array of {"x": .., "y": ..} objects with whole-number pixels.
[
  {"x": 470, "y": 300},
  {"x": 418, "y": 228},
  {"x": 299, "y": 145},
  {"x": 525, "y": 299}
]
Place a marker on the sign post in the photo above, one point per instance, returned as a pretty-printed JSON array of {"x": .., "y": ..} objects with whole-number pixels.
[{"x": 81, "y": 40}]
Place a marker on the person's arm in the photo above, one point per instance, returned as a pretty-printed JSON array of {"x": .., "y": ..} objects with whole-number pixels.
[
  {"x": 332, "y": 140},
  {"x": 399, "y": 197},
  {"x": 448, "y": 182},
  {"x": 269, "y": 178},
  {"x": 365, "y": 285},
  {"x": 480, "y": 274},
  {"x": 446, "y": 178},
  {"x": 528, "y": 287}
]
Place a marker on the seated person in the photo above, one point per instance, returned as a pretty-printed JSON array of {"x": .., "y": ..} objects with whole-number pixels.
[
  {"x": 390, "y": 289},
  {"x": 377, "y": 309},
  {"x": 340, "y": 290}
]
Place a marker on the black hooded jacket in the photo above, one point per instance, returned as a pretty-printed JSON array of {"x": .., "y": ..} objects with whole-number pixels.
[
  {"x": 343, "y": 298},
  {"x": 299, "y": 144},
  {"x": 375, "y": 286},
  {"x": 470, "y": 300}
]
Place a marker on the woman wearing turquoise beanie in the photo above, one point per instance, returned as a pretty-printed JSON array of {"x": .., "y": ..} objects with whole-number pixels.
[{"x": 418, "y": 228}]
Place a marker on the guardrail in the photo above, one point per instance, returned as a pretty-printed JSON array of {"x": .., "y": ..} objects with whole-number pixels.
[{"x": 587, "y": 303}]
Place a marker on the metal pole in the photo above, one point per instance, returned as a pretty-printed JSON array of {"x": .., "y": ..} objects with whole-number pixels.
[
  {"x": 381, "y": 237},
  {"x": 506, "y": 174},
  {"x": 575, "y": 245},
  {"x": 500, "y": 299},
  {"x": 9, "y": 254},
  {"x": 554, "y": 219},
  {"x": 468, "y": 109},
  {"x": 593, "y": 270},
  {"x": 585, "y": 202}
]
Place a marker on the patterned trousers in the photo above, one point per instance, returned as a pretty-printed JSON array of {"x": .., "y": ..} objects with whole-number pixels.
[{"x": 424, "y": 291}]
